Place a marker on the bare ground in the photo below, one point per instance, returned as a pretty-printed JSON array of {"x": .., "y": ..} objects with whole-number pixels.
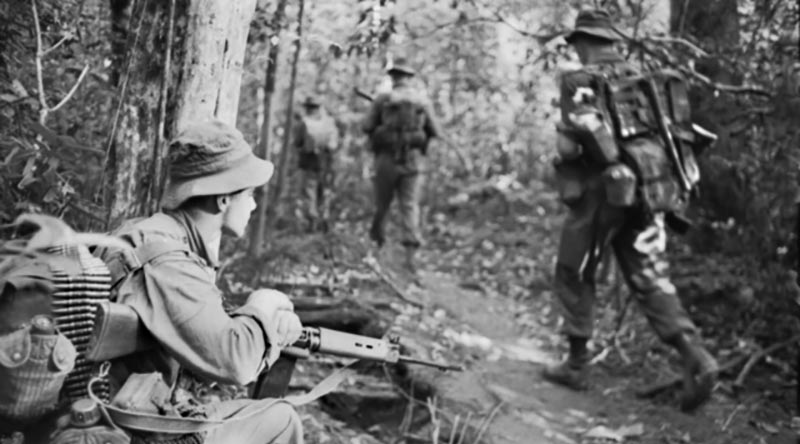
[{"x": 485, "y": 289}]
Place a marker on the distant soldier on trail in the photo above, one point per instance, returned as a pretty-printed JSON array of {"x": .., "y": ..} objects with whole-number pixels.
[
  {"x": 618, "y": 176},
  {"x": 317, "y": 139},
  {"x": 400, "y": 124}
]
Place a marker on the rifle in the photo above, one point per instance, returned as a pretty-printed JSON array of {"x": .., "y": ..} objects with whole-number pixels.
[
  {"x": 118, "y": 332},
  {"x": 336, "y": 343},
  {"x": 463, "y": 160},
  {"x": 666, "y": 134}
]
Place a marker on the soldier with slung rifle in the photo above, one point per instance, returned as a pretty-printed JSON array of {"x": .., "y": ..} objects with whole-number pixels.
[{"x": 604, "y": 151}]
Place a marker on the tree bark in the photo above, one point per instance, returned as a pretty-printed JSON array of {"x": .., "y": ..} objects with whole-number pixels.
[
  {"x": 258, "y": 230},
  {"x": 201, "y": 82},
  {"x": 120, "y": 17},
  {"x": 283, "y": 162}
]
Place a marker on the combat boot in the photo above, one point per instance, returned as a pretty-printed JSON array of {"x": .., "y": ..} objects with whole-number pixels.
[
  {"x": 699, "y": 371},
  {"x": 574, "y": 371}
]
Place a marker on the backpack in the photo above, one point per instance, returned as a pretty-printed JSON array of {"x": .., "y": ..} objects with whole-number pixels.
[
  {"x": 403, "y": 118},
  {"x": 319, "y": 139},
  {"x": 320, "y": 133},
  {"x": 50, "y": 285},
  {"x": 648, "y": 116}
]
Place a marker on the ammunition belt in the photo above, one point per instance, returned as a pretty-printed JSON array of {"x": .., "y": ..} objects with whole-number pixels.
[{"x": 74, "y": 305}]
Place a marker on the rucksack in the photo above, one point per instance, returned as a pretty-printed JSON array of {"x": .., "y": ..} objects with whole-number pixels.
[
  {"x": 649, "y": 118},
  {"x": 403, "y": 117},
  {"x": 319, "y": 140},
  {"x": 50, "y": 285},
  {"x": 320, "y": 133}
]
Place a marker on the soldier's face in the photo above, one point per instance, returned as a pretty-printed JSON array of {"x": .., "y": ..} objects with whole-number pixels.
[
  {"x": 237, "y": 212},
  {"x": 582, "y": 48}
]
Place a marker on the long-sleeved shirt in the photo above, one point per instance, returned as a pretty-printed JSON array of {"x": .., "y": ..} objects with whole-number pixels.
[{"x": 177, "y": 299}]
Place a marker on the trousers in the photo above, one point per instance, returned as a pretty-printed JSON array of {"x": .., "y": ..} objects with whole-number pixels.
[
  {"x": 278, "y": 424},
  {"x": 402, "y": 179},
  {"x": 639, "y": 245},
  {"x": 316, "y": 196}
]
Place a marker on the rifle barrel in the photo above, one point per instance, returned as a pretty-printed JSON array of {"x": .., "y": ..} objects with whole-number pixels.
[{"x": 410, "y": 360}]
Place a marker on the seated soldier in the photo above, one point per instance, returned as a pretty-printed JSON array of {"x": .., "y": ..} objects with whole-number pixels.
[{"x": 213, "y": 173}]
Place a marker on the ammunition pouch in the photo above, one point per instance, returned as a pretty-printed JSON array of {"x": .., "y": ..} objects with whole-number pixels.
[
  {"x": 596, "y": 136},
  {"x": 396, "y": 140},
  {"x": 571, "y": 177},
  {"x": 619, "y": 182},
  {"x": 118, "y": 331},
  {"x": 657, "y": 184},
  {"x": 33, "y": 367},
  {"x": 567, "y": 144}
]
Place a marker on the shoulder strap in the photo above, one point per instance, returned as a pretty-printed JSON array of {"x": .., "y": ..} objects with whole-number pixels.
[
  {"x": 126, "y": 262},
  {"x": 152, "y": 250}
]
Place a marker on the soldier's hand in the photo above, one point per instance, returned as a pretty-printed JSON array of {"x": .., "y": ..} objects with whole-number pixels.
[
  {"x": 283, "y": 325},
  {"x": 288, "y": 328},
  {"x": 270, "y": 301}
]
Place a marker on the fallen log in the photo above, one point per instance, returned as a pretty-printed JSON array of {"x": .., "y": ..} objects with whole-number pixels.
[{"x": 343, "y": 314}]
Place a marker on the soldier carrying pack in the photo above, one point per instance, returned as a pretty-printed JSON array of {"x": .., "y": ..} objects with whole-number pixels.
[{"x": 639, "y": 127}]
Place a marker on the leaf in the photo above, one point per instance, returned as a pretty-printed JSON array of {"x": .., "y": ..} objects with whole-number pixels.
[
  {"x": 27, "y": 173},
  {"x": 520, "y": 353},
  {"x": 18, "y": 89},
  {"x": 769, "y": 428},
  {"x": 631, "y": 430},
  {"x": 603, "y": 432},
  {"x": 10, "y": 156},
  {"x": 8, "y": 98}
]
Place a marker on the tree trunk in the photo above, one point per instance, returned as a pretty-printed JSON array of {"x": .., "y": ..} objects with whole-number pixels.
[
  {"x": 283, "y": 162},
  {"x": 120, "y": 17},
  {"x": 258, "y": 230},
  {"x": 201, "y": 76}
]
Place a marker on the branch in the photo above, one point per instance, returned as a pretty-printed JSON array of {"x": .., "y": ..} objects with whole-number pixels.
[
  {"x": 761, "y": 354},
  {"x": 541, "y": 38},
  {"x": 737, "y": 89},
  {"x": 680, "y": 41},
  {"x": 42, "y": 99},
  {"x": 71, "y": 91},
  {"x": 54, "y": 47}
]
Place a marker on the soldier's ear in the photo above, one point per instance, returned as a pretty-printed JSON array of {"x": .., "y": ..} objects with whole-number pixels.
[{"x": 223, "y": 201}]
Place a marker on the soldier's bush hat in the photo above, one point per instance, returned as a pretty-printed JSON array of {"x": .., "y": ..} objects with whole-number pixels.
[
  {"x": 211, "y": 158},
  {"x": 400, "y": 66},
  {"x": 596, "y": 23},
  {"x": 310, "y": 102}
]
